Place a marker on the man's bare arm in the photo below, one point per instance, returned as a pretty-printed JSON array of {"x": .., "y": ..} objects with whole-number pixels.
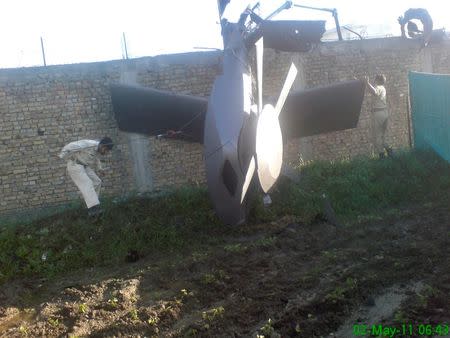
[{"x": 371, "y": 88}]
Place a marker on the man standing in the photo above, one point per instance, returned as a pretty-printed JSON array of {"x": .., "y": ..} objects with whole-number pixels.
[
  {"x": 379, "y": 114},
  {"x": 81, "y": 157}
]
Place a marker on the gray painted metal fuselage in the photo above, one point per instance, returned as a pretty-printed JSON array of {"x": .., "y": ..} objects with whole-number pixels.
[
  {"x": 228, "y": 122},
  {"x": 238, "y": 140}
]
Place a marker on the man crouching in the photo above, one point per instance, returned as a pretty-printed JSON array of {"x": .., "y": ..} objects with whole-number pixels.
[{"x": 81, "y": 157}]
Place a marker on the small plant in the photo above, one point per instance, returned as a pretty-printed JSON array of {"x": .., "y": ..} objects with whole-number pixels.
[
  {"x": 336, "y": 295},
  {"x": 351, "y": 283},
  {"x": 153, "y": 320},
  {"x": 213, "y": 314},
  {"x": 266, "y": 242},
  {"x": 23, "y": 330},
  {"x": 215, "y": 277},
  {"x": 133, "y": 314},
  {"x": 82, "y": 308},
  {"x": 53, "y": 322},
  {"x": 238, "y": 247},
  {"x": 199, "y": 256},
  {"x": 113, "y": 302},
  {"x": 267, "y": 330},
  {"x": 184, "y": 293},
  {"x": 208, "y": 278}
]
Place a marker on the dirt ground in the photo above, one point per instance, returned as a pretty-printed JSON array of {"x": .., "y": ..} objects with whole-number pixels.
[{"x": 281, "y": 279}]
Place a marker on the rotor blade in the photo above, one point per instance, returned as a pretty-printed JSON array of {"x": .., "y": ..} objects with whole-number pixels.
[
  {"x": 286, "y": 88},
  {"x": 248, "y": 178},
  {"x": 269, "y": 148},
  {"x": 259, "y": 71}
]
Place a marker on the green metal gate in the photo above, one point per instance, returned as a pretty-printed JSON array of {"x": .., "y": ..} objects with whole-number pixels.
[{"x": 430, "y": 110}]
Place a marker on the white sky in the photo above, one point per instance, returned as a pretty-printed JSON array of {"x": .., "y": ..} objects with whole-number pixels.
[{"x": 91, "y": 30}]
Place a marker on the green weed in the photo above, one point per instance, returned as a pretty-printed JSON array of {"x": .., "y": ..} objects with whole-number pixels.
[
  {"x": 175, "y": 221},
  {"x": 267, "y": 330},
  {"x": 53, "y": 322},
  {"x": 238, "y": 247},
  {"x": 153, "y": 321},
  {"x": 133, "y": 314},
  {"x": 213, "y": 314},
  {"x": 82, "y": 308}
]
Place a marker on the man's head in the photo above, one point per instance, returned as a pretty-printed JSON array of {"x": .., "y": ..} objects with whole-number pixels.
[
  {"x": 105, "y": 145},
  {"x": 380, "y": 79}
]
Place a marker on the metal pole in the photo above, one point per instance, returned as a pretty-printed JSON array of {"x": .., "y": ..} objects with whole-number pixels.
[
  {"x": 408, "y": 118},
  {"x": 338, "y": 27},
  {"x": 43, "y": 51},
  {"x": 286, "y": 5},
  {"x": 352, "y": 31},
  {"x": 125, "y": 45},
  {"x": 332, "y": 11},
  {"x": 316, "y": 8}
]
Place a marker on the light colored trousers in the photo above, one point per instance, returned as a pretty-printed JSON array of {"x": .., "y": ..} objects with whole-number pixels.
[
  {"x": 380, "y": 120},
  {"x": 87, "y": 182}
]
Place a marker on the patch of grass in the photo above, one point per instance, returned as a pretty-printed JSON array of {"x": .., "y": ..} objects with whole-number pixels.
[
  {"x": 183, "y": 220},
  {"x": 213, "y": 314},
  {"x": 265, "y": 242},
  {"x": 267, "y": 330},
  {"x": 64, "y": 242},
  {"x": 337, "y": 294},
  {"x": 360, "y": 188},
  {"x": 217, "y": 277},
  {"x": 238, "y": 247},
  {"x": 199, "y": 256}
]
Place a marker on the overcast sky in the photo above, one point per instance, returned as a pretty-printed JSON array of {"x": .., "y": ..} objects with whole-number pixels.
[{"x": 91, "y": 30}]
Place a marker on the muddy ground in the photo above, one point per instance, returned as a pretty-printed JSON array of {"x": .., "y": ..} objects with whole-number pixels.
[{"x": 281, "y": 279}]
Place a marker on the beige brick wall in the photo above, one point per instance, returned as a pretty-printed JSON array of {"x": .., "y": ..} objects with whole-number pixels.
[
  {"x": 41, "y": 109},
  {"x": 339, "y": 61}
]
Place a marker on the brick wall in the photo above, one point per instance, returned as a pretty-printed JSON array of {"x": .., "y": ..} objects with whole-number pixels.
[
  {"x": 41, "y": 109},
  {"x": 339, "y": 61}
]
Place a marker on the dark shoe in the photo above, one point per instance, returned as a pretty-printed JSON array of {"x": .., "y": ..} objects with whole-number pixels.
[{"x": 95, "y": 211}]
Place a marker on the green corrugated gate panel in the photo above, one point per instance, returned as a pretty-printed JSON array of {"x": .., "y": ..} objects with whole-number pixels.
[{"x": 430, "y": 106}]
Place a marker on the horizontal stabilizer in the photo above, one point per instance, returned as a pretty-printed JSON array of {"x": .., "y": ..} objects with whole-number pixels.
[
  {"x": 152, "y": 112},
  {"x": 322, "y": 110}
]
